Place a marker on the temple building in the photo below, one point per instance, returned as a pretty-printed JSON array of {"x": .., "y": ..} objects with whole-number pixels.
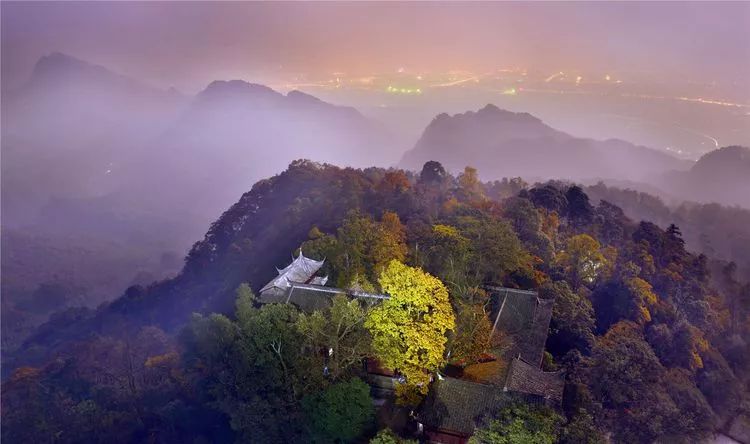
[
  {"x": 297, "y": 284},
  {"x": 301, "y": 271},
  {"x": 457, "y": 404}
]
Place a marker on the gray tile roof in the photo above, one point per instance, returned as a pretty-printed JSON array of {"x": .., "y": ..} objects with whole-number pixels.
[
  {"x": 311, "y": 297},
  {"x": 526, "y": 378},
  {"x": 460, "y": 406},
  {"x": 523, "y": 319}
]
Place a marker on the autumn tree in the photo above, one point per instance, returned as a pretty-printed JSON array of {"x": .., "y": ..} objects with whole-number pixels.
[
  {"x": 366, "y": 246},
  {"x": 624, "y": 297},
  {"x": 527, "y": 223},
  {"x": 472, "y": 334},
  {"x": 388, "y": 242},
  {"x": 582, "y": 260},
  {"x": 470, "y": 187},
  {"x": 409, "y": 329}
]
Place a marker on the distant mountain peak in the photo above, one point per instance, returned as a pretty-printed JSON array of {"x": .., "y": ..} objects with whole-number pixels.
[
  {"x": 735, "y": 152},
  {"x": 504, "y": 143},
  {"x": 238, "y": 87},
  {"x": 63, "y": 71},
  {"x": 57, "y": 65},
  {"x": 728, "y": 158},
  {"x": 300, "y": 96},
  {"x": 495, "y": 112}
]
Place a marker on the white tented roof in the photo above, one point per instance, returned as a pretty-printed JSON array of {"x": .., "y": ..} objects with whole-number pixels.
[{"x": 299, "y": 271}]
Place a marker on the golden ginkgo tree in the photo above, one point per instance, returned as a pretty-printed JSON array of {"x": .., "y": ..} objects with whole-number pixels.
[{"x": 409, "y": 329}]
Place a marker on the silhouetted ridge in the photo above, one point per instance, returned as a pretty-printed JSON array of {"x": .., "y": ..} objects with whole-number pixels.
[
  {"x": 721, "y": 176},
  {"x": 508, "y": 144},
  {"x": 729, "y": 158},
  {"x": 58, "y": 63},
  {"x": 235, "y": 89},
  {"x": 500, "y": 114},
  {"x": 299, "y": 96}
]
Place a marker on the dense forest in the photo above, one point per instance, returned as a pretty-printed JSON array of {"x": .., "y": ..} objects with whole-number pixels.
[{"x": 652, "y": 338}]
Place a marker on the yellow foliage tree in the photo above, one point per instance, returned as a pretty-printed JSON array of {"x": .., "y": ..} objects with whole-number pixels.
[
  {"x": 582, "y": 260},
  {"x": 643, "y": 297},
  {"x": 409, "y": 329}
]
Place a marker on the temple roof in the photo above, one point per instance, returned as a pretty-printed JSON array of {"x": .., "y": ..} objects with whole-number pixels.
[
  {"x": 523, "y": 319},
  {"x": 460, "y": 406},
  {"x": 301, "y": 270},
  {"x": 311, "y": 297},
  {"x": 526, "y": 378}
]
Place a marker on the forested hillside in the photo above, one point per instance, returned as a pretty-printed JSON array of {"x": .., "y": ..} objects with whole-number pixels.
[
  {"x": 653, "y": 338},
  {"x": 720, "y": 232}
]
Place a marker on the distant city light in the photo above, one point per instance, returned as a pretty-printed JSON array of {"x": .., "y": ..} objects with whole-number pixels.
[
  {"x": 554, "y": 76},
  {"x": 406, "y": 91},
  {"x": 509, "y": 92},
  {"x": 607, "y": 78}
]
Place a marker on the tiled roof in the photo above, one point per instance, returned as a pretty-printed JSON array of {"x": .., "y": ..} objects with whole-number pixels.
[
  {"x": 459, "y": 406},
  {"x": 523, "y": 319},
  {"x": 526, "y": 378},
  {"x": 311, "y": 297},
  {"x": 301, "y": 270}
]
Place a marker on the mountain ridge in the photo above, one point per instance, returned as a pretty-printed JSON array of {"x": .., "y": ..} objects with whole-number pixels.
[{"x": 528, "y": 148}]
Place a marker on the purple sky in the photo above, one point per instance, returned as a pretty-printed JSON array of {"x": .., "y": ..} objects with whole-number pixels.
[{"x": 189, "y": 44}]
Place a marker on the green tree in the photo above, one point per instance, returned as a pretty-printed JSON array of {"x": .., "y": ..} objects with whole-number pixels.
[
  {"x": 449, "y": 254},
  {"x": 321, "y": 246},
  {"x": 527, "y": 222},
  {"x": 497, "y": 251},
  {"x": 519, "y": 423},
  {"x": 338, "y": 331},
  {"x": 628, "y": 378},
  {"x": 354, "y": 241},
  {"x": 581, "y": 430},
  {"x": 253, "y": 370},
  {"x": 386, "y": 436},
  {"x": 573, "y": 321},
  {"x": 340, "y": 413},
  {"x": 549, "y": 197},
  {"x": 409, "y": 329}
]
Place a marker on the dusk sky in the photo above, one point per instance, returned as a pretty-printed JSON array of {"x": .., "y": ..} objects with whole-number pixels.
[{"x": 187, "y": 45}]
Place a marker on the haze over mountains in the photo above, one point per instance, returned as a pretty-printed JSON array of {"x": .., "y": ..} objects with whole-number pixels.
[
  {"x": 100, "y": 165},
  {"x": 79, "y": 132},
  {"x": 507, "y": 144},
  {"x": 80, "y": 136},
  {"x": 93, "y": 157},
  {"x": 721, "y": 176}
]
